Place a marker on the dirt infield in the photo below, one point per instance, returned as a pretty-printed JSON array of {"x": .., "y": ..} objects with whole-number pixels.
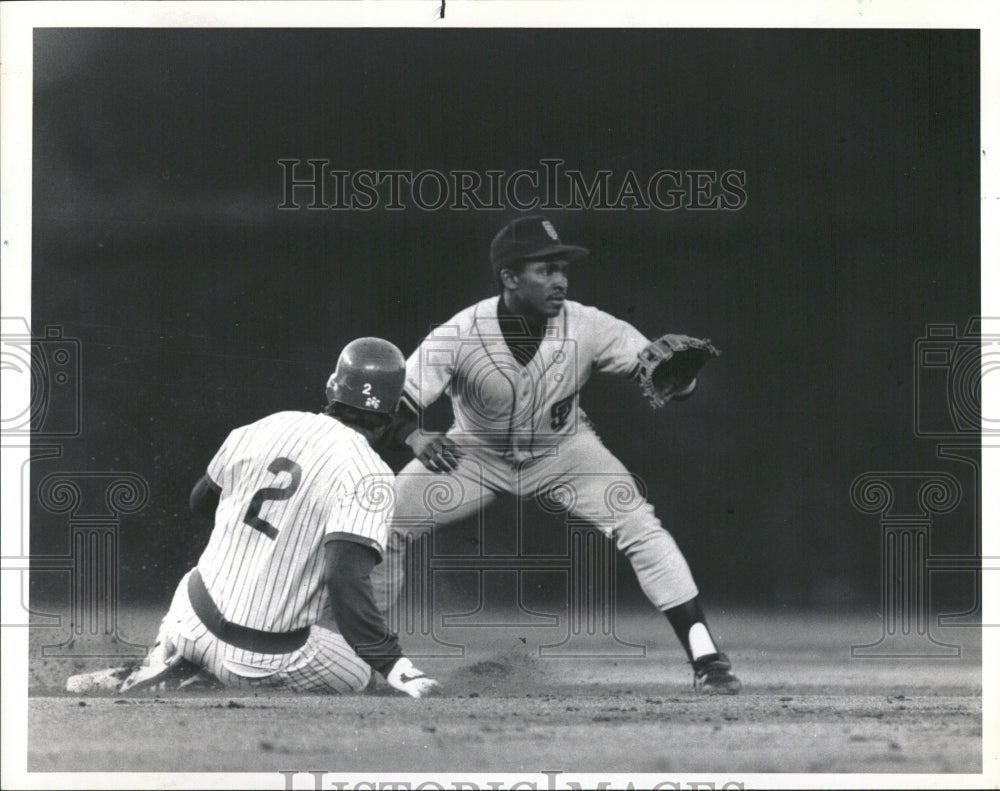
[{"x": 806, "y": 707}]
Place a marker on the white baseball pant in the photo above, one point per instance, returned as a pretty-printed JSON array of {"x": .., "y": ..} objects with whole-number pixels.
[
  {"x": 326, "y": 663},
  {"x": 581, "y": 477}
]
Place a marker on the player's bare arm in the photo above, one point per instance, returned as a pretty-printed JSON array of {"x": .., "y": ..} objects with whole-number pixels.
[{"x": 352, "y": 600}]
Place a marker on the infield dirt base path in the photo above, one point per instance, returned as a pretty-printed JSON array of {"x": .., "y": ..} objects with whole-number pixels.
[{"x": 806, "y": 707}]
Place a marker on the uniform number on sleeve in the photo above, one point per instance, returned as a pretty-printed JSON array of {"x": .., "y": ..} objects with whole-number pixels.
[{"x": 279, "y": 465}]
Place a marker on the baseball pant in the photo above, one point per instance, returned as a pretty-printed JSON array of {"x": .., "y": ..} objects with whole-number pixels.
[
  {"x": 581, "y": 477},
  {"x": 326, "y": 663}
]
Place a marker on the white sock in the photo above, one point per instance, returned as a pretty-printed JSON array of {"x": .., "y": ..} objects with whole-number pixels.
[{"x": 700, "y": 641}]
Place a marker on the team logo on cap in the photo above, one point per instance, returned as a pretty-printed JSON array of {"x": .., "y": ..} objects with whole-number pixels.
[
  {"x": 550, "y": 230},
  {"x": 372, "y": 402}
]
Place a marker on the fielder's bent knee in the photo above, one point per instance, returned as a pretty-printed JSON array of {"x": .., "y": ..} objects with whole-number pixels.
[
  {"x": 636, "y": 526},
  {"x": 659, "y": 565}
]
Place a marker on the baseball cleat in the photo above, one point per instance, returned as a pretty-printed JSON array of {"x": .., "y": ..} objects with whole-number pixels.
[
  {"x": 182, "y": 676},
  {"x": 200, "y": 681},
  {"x": 157, "y": 665},
  {"x": 107, "y": 680},
  {"x": 163, "y": 664},
  {"x": 713, "y": 676}
]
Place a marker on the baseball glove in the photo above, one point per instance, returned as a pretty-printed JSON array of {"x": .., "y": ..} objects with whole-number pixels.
[{"x": 669, "y": 365}]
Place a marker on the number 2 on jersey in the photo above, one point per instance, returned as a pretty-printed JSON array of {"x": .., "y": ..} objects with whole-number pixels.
[{"x": 280, "y": 464}]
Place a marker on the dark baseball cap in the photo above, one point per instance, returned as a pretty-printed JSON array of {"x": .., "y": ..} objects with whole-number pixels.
[{"x": 528, "y": 238}]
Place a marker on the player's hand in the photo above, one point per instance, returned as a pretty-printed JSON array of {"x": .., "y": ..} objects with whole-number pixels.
[
  {"x": 406, "y": 678},
  {"x": 437, "y": 452}
]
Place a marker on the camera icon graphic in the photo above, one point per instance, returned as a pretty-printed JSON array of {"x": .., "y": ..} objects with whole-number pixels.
[
  {"x": 948, "y": 369},
  {"x": 498, "y": 397},
  {"x": 42, "y": 392}
]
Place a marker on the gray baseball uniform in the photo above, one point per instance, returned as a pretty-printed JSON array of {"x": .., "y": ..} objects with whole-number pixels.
[{"x": 522, "y": 432}]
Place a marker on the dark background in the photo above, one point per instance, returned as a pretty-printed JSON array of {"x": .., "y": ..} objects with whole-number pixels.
[{"x": 200, "y": 306}]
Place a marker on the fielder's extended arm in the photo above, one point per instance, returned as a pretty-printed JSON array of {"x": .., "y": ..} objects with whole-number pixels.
[{"x": 669, "y": 366}]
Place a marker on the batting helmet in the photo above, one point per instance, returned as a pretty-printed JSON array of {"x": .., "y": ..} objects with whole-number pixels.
[{"x": 369, "y": 376}]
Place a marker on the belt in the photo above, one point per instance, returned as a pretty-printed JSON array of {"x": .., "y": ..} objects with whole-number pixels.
[{"x": 240, "y": 636}]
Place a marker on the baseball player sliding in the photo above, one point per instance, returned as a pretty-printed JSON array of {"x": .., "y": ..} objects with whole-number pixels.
[
  {"x": 300, "y": 502},
  {"x": 513, "y": 367}
]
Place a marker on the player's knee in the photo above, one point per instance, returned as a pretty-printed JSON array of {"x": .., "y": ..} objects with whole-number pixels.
[
  {"x": 362, "y": 684},
  {"x": 637, "y": 528}
]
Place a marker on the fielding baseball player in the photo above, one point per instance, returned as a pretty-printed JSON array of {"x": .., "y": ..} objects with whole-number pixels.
[
  {"x": 513, "y": 367},
  {"x": 300, "y": 502}
]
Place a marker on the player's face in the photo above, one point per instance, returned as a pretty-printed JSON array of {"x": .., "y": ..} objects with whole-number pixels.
[{"x": 539, "y": 290}]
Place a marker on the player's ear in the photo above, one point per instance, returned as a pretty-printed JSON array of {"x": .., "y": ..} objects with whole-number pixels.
[{"x": 508, "y": 278}]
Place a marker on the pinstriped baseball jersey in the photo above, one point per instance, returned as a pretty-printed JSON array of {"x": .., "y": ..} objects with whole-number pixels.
[
  {"x": 288, "y": 482},
  {"x": 520, "y": 410}
]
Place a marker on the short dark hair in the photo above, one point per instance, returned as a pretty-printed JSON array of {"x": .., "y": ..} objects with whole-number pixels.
[{"x": 359, "y": 418}]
